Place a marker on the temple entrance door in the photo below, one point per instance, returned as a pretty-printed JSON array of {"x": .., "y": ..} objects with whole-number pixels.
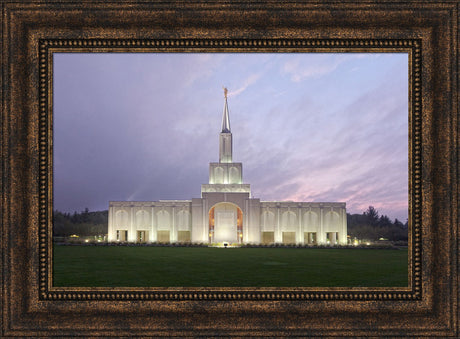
[{"x": 225, "y": 223}]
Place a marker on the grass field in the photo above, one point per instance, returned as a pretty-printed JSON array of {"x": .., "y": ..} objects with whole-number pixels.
[{"x": 126, "y": 266}]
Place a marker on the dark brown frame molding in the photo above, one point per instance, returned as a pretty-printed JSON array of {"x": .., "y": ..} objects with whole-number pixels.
[{"x": 33, "y": 30}]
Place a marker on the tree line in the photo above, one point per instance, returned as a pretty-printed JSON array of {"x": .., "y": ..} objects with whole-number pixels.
[
  {"x": 371, "y": 226},
  {"x": 368, "y": 226},
  {"x": 85, "y": 223}
]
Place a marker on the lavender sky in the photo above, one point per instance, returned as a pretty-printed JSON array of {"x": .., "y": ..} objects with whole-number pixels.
[{"x": 307, "y": 127}]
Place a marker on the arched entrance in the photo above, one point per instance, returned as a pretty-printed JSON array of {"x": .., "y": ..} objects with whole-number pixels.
[{"x": 225, "y": 223}]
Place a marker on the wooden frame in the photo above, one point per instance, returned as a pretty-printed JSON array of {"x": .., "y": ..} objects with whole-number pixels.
[{"x": 33, "y": 30}]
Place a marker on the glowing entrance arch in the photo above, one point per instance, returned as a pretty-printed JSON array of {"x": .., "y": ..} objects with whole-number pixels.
[{"x": 225, "y": 223}]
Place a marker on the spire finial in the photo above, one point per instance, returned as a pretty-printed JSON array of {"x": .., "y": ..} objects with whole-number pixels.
[{"x": 225, "y": 118}]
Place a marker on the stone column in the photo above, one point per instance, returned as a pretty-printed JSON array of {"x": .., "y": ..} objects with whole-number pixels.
[
  {"x": 173, "y": 227},
  {"x": 131, "y": 232},
  {"x": 205, "y": 221},
  {"x": 153, "y": 235},
  {"x": 343, "y": 232},
  {"x": 278, "y": 237},
  {"x": 300, "y": 237},
  {"x": 211, "y": 174},
  {"x": 246, "y": 224},
  {"x": 110, "y": 229},
  {"x": 321, "y": 235}
]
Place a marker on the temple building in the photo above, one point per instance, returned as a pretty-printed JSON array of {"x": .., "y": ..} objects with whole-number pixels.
[{"x": 226, "y": 212}]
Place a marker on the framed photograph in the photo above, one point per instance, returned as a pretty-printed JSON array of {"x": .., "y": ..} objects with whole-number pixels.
[
  {"x": 132, "y": 130},
  {"x": 67, "y": 71}
]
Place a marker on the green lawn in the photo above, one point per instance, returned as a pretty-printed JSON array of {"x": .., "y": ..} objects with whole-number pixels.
[{"x": 126, "y": 266}]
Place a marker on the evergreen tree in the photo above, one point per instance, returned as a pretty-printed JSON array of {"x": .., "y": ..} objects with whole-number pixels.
[
  {"x": 85, "y": 223},
  {"x": 372, "y": 216},
  {"x": 398, "y": 223},
  {"x": 384, "y": 221}
]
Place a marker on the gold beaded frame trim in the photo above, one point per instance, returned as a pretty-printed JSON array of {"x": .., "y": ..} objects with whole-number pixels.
[{"x": 49, "y": 46}]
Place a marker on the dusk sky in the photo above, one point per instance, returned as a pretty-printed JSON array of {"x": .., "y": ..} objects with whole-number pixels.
[{"x": 307, "y": 127}]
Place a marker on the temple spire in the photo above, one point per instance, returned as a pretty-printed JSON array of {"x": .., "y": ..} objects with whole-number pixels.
[
  {"x": 225, "y": 137},
  {"x": 225, "y": 117}
]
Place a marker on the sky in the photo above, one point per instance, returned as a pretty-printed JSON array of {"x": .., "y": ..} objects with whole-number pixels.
[{"x": 306, "y": 126}]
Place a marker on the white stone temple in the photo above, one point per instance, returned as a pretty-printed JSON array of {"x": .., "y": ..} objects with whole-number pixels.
[{"x": 226, "y": 213}]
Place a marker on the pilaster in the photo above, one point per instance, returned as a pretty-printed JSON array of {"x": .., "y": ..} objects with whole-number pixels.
[{"x": 321, "y": 235}]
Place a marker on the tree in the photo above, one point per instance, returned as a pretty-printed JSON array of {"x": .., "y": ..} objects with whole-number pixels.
[
  {"x": 75, "y": 217},
  {"x": 84, "y": 216},
  {"x": 361, "y": 227},
  {"x": 84, "y": 224},
  {"x": 372, "y": 216},
  {"x": 398, "y": 223},
  {"x": 384, "y": 221}
]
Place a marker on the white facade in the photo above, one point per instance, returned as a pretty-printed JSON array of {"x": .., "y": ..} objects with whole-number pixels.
[{"x": 227, "y": 213}]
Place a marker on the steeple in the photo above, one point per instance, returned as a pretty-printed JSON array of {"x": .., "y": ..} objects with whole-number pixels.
[
  {"x": 225, "y": 175},
  {"x": 225, "y": 138},
  {"x": 225, "y": 117}
]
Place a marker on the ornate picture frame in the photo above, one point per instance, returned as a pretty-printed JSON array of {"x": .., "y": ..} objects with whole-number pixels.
[{"x": 33, "y": 31}]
